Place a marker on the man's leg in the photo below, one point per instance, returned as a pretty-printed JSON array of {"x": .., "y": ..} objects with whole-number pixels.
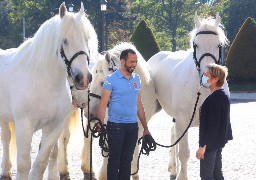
[
  {"x": 128, "y": 150},
  {"x": 115, "y": 143}
]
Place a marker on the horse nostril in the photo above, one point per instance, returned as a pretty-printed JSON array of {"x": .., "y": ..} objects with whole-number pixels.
[{"x": 79, "y": 78}]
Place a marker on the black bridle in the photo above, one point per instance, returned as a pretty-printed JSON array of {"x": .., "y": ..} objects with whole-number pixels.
[
  {"x": 69, "y": 62},
  {"x": 113, "y": 68},
  {"x": 197, "y": 62}
]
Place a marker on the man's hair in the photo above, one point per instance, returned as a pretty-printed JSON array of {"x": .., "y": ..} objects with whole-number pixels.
[
  {"x": 218, "y": 71},
  {"x": 124, "y": 53}
]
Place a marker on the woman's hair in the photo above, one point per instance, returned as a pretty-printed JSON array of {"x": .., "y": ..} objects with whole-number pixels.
[{"x": 218, "y": 71}]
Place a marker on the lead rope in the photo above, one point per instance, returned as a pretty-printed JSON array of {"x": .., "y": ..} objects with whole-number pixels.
[
  {"x": 95, "y": 133},
  {"x": 149, "y": 144}
]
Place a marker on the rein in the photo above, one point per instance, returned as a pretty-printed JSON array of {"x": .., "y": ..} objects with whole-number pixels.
[
  {"x": 195, "y": 46},
  {"x": 149, "y": 144},
  {"x": 69, "y": 62}
]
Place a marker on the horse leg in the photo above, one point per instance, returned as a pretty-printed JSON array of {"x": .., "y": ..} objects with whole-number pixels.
[
  {"x": 63, "y": 154},
  {"x": 103, "y": 169},
  {"x": 183, "y": 154},
  {"x": 50, "y": 135},
  {"x": 52, "y": 166},
  {"x": 6, "y": 164},
  {"x": 172, "y": 153},
  {"x": 136, "y": 155},
  {"x": 24, "y": 133},
  {"x": 85, "y": 165}
]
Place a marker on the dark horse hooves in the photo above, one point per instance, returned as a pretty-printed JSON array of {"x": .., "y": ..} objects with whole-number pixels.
[
  {"x": 87, "y": 176},
  {"x": 64, "y": 176},
  {"x": 5, "y": 178},
  {"x": 172, "y": 177}
]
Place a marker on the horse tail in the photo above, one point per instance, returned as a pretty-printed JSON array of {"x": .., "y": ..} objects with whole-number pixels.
[{"x": 13, "y": 146}]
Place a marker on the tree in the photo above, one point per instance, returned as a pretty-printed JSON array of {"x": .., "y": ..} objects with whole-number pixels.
[
  {"x": 237, "y": 11},
  {"x": 117, "y": 20},
  {"x": 241, "y": 59},
  {"x": 145, "y": 41},
  {"x": 5, "y": 29},
  {"x": 171, "y": 20}
]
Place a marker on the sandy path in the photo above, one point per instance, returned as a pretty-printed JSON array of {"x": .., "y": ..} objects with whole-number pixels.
[{"x": 238, "y": 156}]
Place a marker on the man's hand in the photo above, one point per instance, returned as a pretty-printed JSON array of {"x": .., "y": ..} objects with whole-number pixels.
[
  {"x": 145, "y": 132},
  {"x": 99, "y": 127},
  {"x": 200, "y": 152}
]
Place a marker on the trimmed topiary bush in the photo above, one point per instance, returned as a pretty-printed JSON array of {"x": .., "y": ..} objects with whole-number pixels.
[
  {"x": 241, "y": 59},
  {"x": 145, "y": 41}
]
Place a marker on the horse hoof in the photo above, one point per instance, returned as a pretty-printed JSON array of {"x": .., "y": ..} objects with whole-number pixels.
[
  {"x": 87, "y": 176},
  {"x": 64, "y": 176},
  {"x": 172, "y": 177},
  {"x": 5, "y": 178}
]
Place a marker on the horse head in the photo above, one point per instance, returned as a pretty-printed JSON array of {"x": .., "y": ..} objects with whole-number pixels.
[
  {"x": 75, "y": 33},
  {"x": 104, "y": 66},
  {"x": 208, "y": 39}
]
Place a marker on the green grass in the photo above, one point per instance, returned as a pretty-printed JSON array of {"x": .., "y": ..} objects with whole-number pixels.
[{"x": 242, "y": 86}]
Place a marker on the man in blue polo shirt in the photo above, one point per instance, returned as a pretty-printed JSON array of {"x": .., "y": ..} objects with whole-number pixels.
[{"x": 122, "y": 90}]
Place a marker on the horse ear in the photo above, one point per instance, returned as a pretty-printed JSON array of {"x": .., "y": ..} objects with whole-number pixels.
[
  {"x": 62, "y": 10},
  {"x": 81, "y": 12},
  {"x": 107, "y": 57},
  {"x": 197, "y": 21},
  {"x": 217, "y": 20}
]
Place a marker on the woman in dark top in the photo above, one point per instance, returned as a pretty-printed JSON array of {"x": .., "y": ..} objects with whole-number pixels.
[{"x": 215, "y": 128}]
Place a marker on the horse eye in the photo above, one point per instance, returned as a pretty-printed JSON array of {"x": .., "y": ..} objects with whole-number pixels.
[
  {"x": 65, "y": 42},
  {"x": 101, "y": 83}
]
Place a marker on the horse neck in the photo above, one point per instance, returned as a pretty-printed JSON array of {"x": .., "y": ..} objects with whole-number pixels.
[
  {"x": 142, "y": 70},
  {"x": 41, "y": 53},
  {"x": 189, "y": 65}
]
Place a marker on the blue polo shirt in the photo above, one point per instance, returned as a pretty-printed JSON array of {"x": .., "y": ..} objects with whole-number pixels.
[{"x": 124, "y": 97}]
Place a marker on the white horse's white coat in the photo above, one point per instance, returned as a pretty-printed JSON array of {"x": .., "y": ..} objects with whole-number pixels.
[
  {"x": 105, "y": 66},
  {"x": 177, "y": 82},
  {"x": 34, "y": 91}
]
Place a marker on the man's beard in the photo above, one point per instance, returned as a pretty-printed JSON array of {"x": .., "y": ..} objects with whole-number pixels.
[{"x": 129, "y": 69}]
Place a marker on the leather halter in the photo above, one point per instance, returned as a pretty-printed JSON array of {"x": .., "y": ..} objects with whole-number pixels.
[
  {"x": 69, "y": 62},
  {"x": 197, "y": 62}
]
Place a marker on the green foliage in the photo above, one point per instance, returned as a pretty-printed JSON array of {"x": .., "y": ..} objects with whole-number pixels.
[
  {"x": 241, "y": 59},
  {"x": 5, "y": 29},
  {"x": 237, "y": 11},
  {"x": 145, "y": 41},
  {"x": 170, "y": 20}
]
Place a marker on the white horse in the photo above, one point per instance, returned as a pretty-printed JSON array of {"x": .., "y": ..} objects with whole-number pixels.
[
  {"x": 177, "y": 79},
  {"x": 34, "y": 90},
  {"x": 105, "y": 66}
]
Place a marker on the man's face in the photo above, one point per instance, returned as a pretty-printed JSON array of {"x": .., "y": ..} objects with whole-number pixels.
[{"x": 131, "y": 62}]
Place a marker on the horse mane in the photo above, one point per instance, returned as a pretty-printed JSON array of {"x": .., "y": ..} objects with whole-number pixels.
[
  {"x": 43, "y": 47},
  {"x": 208, "y": 24},
  {"x": 142, "y": 67}
]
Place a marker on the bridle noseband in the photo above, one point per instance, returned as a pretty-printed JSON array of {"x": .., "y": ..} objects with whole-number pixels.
[
  {"x": 69, "y": 62},
  {"x": 197, "y": 62}
]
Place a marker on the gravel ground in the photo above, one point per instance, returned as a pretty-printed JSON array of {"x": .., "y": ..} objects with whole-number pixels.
[{"x": 238, "y": 155}]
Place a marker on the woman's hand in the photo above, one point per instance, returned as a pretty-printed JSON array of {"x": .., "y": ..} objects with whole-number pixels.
[{"x": 200, "y": 152}]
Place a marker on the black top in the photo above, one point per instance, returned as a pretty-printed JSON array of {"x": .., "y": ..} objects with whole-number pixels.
[{"x": 215, "y": 128}]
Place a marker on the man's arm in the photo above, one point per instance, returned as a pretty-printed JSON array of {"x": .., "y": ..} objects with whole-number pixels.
[
  {"x": 141, "y": 115},
  {"x": 103, "y": 104}
]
